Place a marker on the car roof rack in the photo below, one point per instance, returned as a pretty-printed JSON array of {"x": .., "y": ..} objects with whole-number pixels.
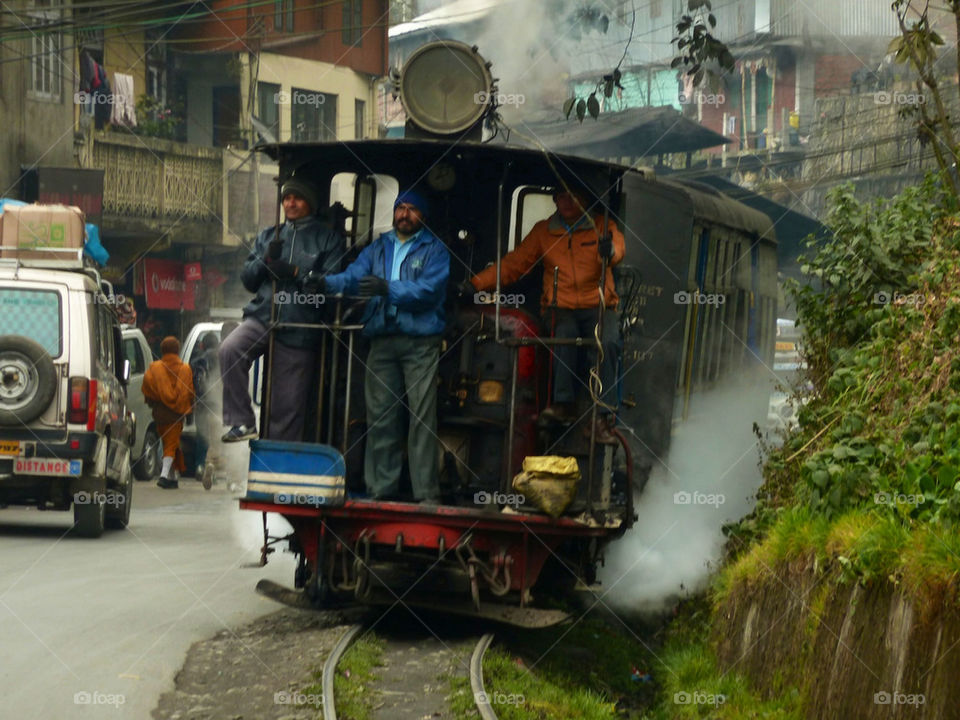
[{"x": 52, "y": 259}]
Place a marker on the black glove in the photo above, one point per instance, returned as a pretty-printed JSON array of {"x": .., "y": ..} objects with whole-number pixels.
[
  {"x": 314, "y": 282},
  {"x": 605, "y": 247},
  {"x": 466, "y": 289},
  {"x": 281, "y": 269},
  {"x": 274, "y": 250},
  {"x": 372, "y": 285}
]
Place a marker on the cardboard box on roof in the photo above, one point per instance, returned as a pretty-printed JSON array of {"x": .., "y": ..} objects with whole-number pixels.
[{"x": 27, "y": 230}]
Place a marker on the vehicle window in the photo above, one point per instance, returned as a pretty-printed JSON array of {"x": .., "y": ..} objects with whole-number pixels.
[
  {"x": 133, "y": 353},
  {"x": 105, "y": 337},
  {"x": 530, "y": 205},
  {"x": 386, "y": 189},
  {"x": 35, "y": 314}
]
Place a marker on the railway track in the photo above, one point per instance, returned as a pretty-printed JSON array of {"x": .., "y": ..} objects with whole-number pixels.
[{"x": 480, "y": 696}]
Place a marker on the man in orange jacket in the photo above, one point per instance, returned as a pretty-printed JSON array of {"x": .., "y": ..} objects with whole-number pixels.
[
  {"x": 168, "y": 389},
  {"x": 572, "y": 242}
]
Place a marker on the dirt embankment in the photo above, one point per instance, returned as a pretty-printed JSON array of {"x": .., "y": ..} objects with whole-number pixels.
[{"x": 853, "y": 651}]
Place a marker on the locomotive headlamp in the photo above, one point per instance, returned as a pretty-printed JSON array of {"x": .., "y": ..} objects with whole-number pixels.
[
  {"x": 446, "y": 87},
  {"x": 490, "y": 391}
]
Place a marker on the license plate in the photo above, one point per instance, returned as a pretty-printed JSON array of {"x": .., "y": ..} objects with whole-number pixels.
[
  {"x": 47, "y": 466},
  {"x": 9, "y": 447},
  {"x": 783, "y": 346}
]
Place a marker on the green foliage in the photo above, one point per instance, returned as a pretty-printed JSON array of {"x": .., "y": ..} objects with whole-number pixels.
[
  {"x": 881, "y": 320},
  {"x": 155, "y": 119},
  {"x": 695, "y": 687},
  {"x": 702, "y": 55}
]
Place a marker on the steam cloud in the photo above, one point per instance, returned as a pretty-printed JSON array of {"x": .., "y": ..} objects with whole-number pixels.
[{"x": 710, "y": 479}]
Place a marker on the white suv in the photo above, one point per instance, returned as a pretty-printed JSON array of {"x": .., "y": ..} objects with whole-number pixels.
[{"x": 65, "y": 429}]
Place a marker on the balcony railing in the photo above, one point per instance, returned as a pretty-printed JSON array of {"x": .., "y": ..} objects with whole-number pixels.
[{"x": 148, "y": 178}]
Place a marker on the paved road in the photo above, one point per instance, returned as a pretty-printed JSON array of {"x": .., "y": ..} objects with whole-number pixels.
[{"x": 112, "y": 619}]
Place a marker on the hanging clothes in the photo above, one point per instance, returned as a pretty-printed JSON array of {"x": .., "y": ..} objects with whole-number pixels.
[
  {"x": 102, "y": 98},
  {"x": 124, "y": 109}
]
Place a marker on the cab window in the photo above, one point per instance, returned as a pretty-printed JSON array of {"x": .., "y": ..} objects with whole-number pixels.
[
  {"x": 372, "y": 197},
  {"x": 531, "y": 204}
]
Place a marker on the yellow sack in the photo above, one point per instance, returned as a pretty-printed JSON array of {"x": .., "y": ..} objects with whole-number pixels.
[
  {"x": 548, "y": 482},
  {"x": 551, "y": 465}
]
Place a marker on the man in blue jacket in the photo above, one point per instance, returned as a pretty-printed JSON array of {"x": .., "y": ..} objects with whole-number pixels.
[
  {"x": 404, "y": 273},
  {"x": 275, "y": 271}
]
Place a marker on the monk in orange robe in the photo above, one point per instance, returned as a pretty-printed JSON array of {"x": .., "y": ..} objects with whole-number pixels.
[{"x": 168, "y": 389}]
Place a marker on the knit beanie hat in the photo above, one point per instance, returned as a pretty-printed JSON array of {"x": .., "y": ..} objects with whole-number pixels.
[{"x": 304, "y": 189}]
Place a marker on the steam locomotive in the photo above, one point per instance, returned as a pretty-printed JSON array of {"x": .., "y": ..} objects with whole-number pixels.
[{"x": 698, "y": 299}]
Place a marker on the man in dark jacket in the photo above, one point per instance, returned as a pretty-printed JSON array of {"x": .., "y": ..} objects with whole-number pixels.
[
  {"x": 275, "y": 271},
  {"x": 404, "y": 273}
]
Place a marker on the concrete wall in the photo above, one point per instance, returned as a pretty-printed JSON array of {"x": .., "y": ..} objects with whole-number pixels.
[
  {"x": 291, "y": 72},
  {"x": 35, "y": 130}
]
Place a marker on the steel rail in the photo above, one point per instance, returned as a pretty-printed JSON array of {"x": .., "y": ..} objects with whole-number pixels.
[
  {"x": 480, "y": 697},
  {"x": 330, "y": 668}
]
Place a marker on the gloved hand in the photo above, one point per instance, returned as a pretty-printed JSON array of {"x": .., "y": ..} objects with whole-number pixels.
[
  {"x": 281, "y": 269},
  {"x": 314, "y": 282},
  {"x": 274, "y": 250},
  {"x": 605, "y": 247},
  {"x": 466, "y": 289},
  {"x": 371, "y": 285}
]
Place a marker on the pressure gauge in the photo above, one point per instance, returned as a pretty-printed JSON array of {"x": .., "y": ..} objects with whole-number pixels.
[{"x": 441, "y": 177}]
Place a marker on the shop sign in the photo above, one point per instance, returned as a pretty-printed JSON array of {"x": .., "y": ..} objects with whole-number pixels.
[{"x": 165, "y": 286}]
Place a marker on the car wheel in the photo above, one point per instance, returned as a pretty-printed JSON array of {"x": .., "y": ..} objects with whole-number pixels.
[
  {"x": 28, "y": 380},
  {"x": 148, "y": 464},
  {"x": 118, "y": 510},
  {"x": 90, "y": 517}
]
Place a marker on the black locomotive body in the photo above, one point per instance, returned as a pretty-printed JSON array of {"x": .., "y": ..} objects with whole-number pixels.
[{"x": 697, "y": 291}]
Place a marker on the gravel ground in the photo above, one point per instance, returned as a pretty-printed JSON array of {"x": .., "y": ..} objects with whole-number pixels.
[{"x": 255, "y": 672}]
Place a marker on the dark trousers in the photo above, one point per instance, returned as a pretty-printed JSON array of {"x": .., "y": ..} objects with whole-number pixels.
[
  {"x": 582, "y": 323},
  {"x": 398, "y": 364},
  {"x": 292, "y": 371}
]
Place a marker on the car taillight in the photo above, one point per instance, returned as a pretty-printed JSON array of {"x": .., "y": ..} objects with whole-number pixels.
[
  {"x": 92, "y": 407},
  {"x": 83, "y": 402}
]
